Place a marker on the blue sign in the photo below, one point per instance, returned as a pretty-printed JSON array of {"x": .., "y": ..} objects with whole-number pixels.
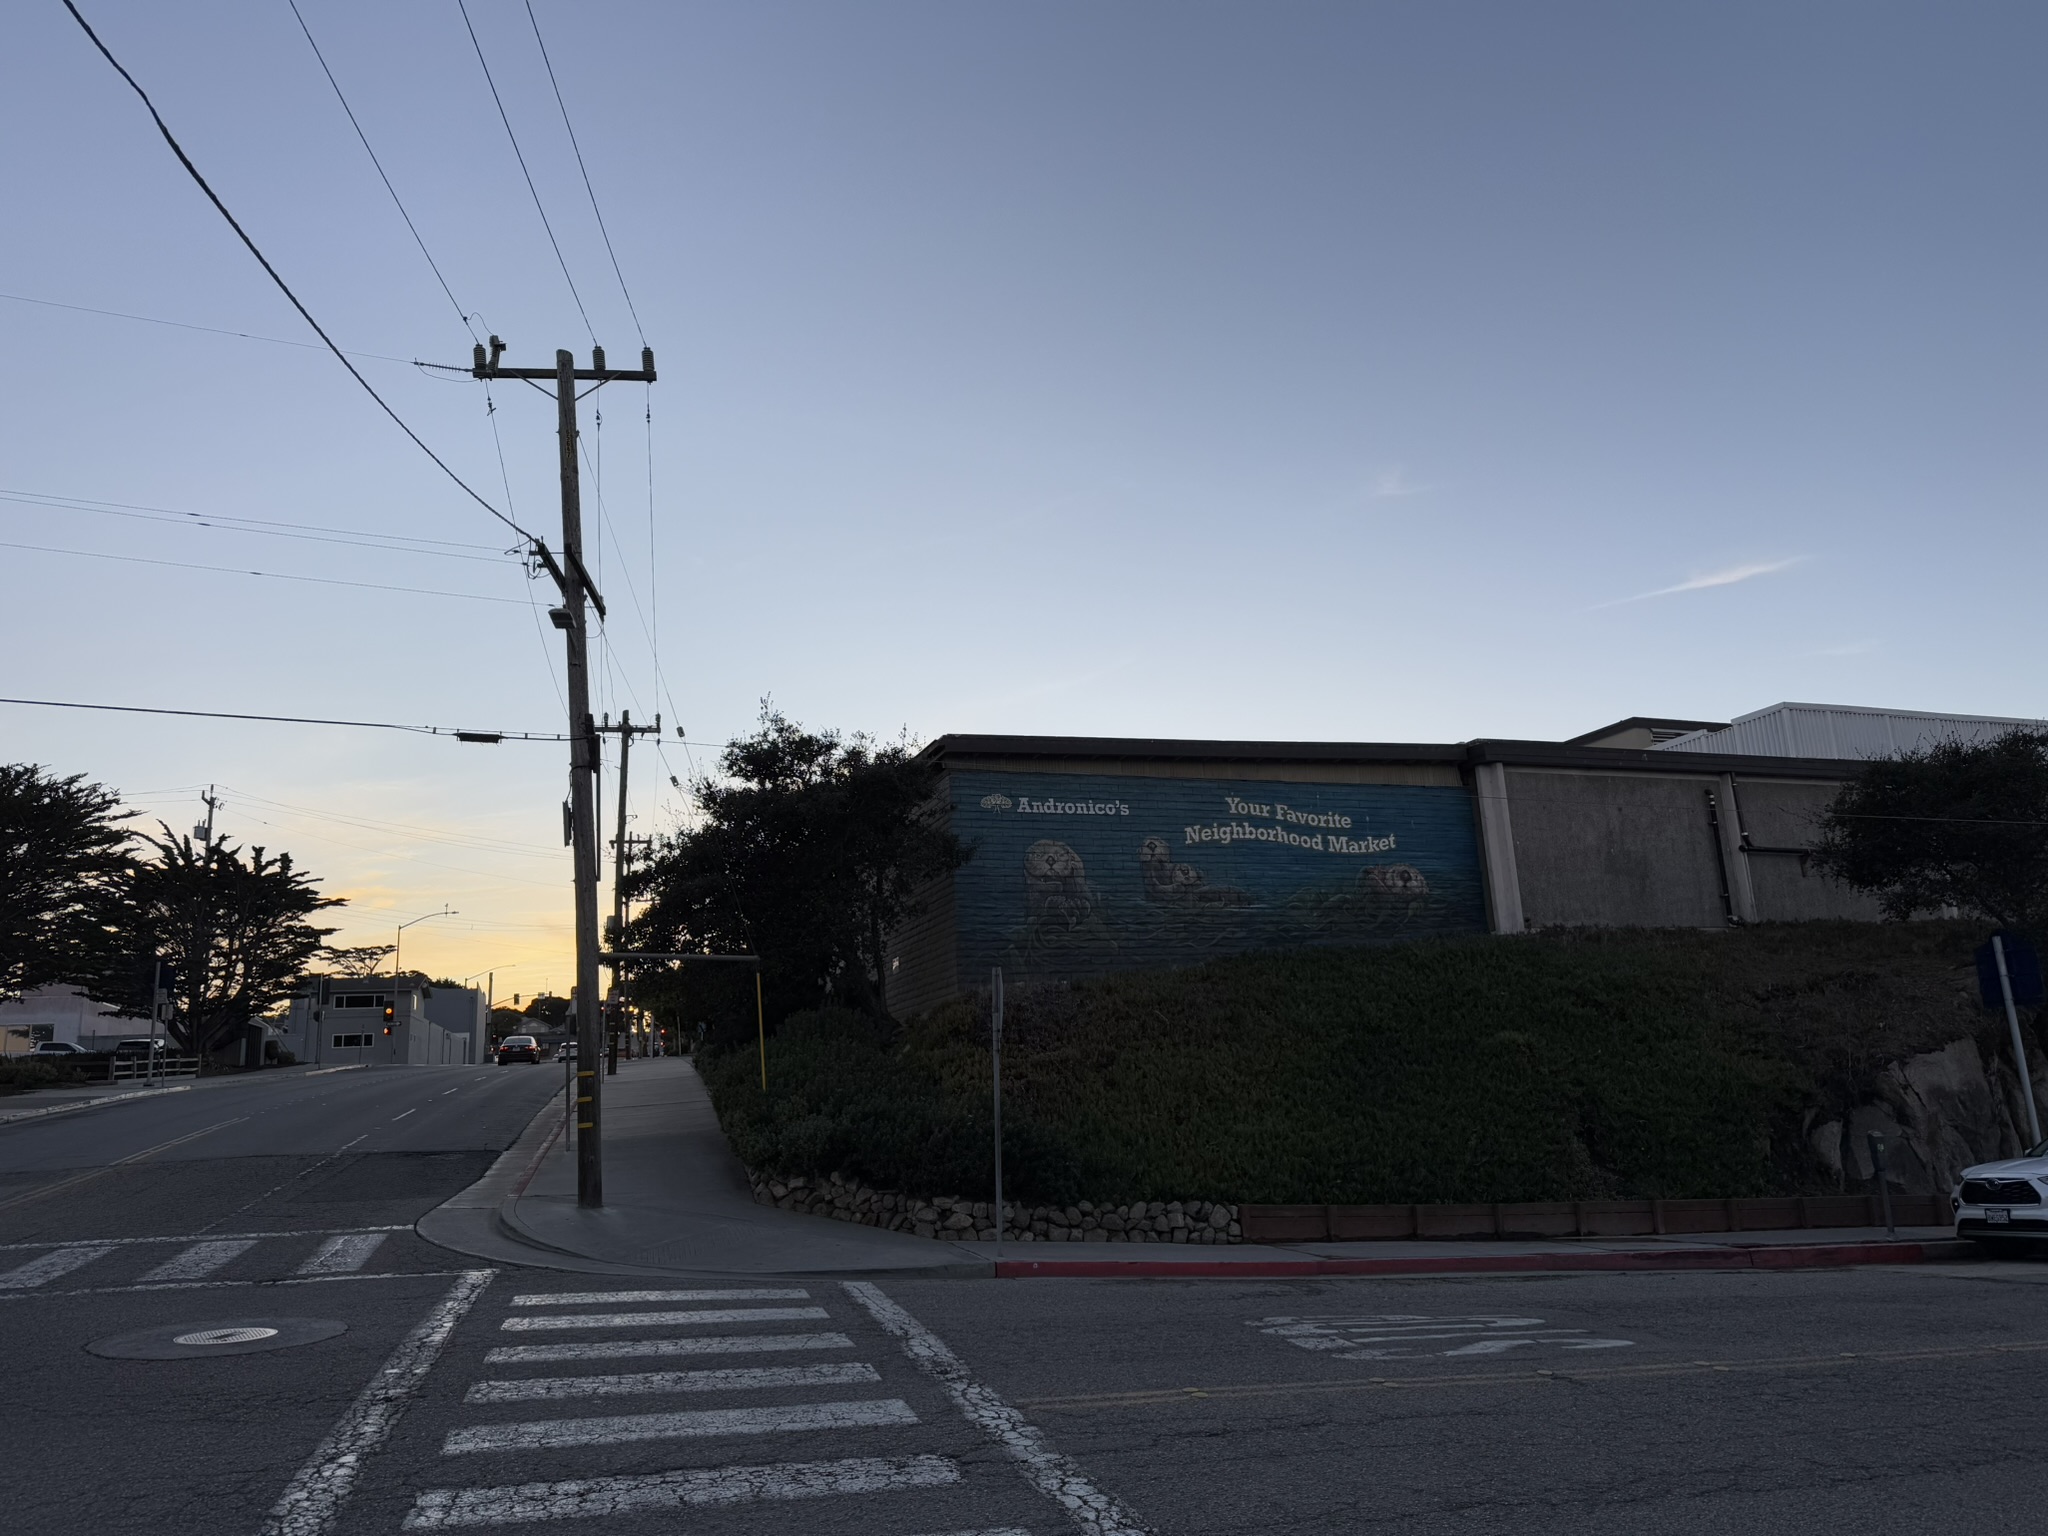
[{"x": 1076, "y": 875}]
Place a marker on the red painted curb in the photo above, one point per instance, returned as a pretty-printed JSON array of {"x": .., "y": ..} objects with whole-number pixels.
[{"x": 1805, "y": 1256}]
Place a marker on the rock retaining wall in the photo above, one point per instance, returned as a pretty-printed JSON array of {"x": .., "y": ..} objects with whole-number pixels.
[{"x": 946, "y": 1216}]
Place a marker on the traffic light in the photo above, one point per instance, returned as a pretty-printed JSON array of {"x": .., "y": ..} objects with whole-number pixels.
[
  {"x": 390, "y": 1013},
  {"x": 387, "y": 1029}
]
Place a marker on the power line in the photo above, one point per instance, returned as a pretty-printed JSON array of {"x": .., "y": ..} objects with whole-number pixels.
[
  {"x": 463, "y": 7},
  {"x": 90, "y": 502},
  {"x": 229, "y": 570},
  {"x": 225, "y": 524},
  {"x": 587, "y": 187},
  {"x": 211, "y": 330},
  {"x": 363, "y": 725},
  {"x": 283, "y": 287},
  {"x": 396, "y": 202}
]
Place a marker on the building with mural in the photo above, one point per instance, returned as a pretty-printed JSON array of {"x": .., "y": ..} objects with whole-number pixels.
[{"x": 1090, "y": 855}]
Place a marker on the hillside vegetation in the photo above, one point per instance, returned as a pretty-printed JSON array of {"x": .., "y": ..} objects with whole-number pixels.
[{"x": 1558, "y": 1066}]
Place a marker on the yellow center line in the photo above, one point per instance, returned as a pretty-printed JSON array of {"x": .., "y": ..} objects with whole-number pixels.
[
  {"x": 1622, "y": 1373},
  {"x": 133, "y": 1157}
]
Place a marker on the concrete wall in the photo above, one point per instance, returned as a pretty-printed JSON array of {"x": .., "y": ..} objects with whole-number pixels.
[
  {"x": 1617, "y": 850},
  {"x": 1786, "y": 814},
  {"x": 66, "y": 1014}
]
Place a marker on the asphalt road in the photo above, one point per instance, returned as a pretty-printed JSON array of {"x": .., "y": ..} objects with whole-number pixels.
[{"x": 465, "y": 1396}]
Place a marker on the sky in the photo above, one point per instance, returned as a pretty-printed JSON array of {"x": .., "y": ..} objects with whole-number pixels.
[{"x": 1349, "y": 372}]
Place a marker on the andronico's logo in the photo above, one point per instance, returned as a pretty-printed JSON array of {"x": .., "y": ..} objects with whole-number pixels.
[{"x": 996, "y": 802}]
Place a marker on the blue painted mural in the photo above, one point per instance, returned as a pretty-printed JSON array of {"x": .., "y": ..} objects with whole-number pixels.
[{"x": 1076, "y": 875}]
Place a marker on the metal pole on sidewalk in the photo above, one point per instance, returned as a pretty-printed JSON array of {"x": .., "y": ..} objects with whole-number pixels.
[
  {"x": 995, "y": 1018},
  {"x": 1884, "y": 1183},
  {"x": 2019, "y": 1045}
]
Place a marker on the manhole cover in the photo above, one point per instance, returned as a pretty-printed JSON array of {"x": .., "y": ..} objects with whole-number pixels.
[{"x": 232, "y": 1336}]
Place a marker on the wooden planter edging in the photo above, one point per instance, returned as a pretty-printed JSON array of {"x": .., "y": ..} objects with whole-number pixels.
[{"x": 1584, "y": 1218}]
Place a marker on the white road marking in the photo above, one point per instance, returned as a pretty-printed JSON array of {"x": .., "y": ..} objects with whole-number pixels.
[
  {"x": 599, "y": 1298},
  {"x": 200, "y": 1260},
  {"x": 641, "y": 1349},
  {"x": 585, "y": 1498},
  {"x": 1393, "y": 1335},
  {"x": 663, "y": 1319},
  {"x": 194, "y": 1237},
  {"x": 343, "y": 1255},
  {"x": 1006, "y": 1530},
  {"x": 413, "y": 1111},
  {"x": 533, "y": 1389},
  {"x": 231, "y": 1285},
  {"x": 312, "y": 1500},
  {"x": 42, "y": 1271},
  {"x": 1056, "y": 1476},
  {"x": 623, "y": 1429}
]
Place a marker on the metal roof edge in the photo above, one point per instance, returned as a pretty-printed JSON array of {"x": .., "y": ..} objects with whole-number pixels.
[{"x": 1554, "y": 754}]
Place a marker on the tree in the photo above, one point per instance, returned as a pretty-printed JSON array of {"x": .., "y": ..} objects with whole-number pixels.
[
  {"x": 235, "y": 928},
  {"x": 549, "y": 1010},
  {"x": 810, "y": 852},
  {"x": 1962, "y": 825},
  {"x": 356, "y": 962},
  {"x": 58, "y": 845}
]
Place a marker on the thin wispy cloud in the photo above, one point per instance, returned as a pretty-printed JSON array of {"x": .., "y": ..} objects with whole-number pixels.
[
  {"x": 1390, "y": 483},
  {"x": 1728, "y": 577}
]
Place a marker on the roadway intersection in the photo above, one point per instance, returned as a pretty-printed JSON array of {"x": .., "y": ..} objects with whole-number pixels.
[{"x": 410, "y": 1388}]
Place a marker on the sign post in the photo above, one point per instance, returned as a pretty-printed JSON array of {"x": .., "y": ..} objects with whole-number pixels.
[
  {"x": 995, "y": 1036},
  {"x": 2016, "y": 964}
]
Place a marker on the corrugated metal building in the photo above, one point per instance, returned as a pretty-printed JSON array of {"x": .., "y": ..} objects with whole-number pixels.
[{"x": 1839, "y": 731}]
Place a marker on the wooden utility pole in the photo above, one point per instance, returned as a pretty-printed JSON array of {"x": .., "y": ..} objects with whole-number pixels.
[
  {"x": 625, "y": 730},
  {"x": 570, "y": 618}
]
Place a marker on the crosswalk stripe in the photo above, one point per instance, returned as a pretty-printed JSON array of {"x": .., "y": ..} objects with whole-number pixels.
[
  {"x": 1005, "y": 1530},
  {"x": 585, "y": 1498},
  {"x": 646, "y": 1349},
  {"x": 599, "y": 1298},
  {"x": 200, "y": 1260},
  {"x": 47, "y": 1268},
  {"x": 621, "y": 1429},
  {"x": 343, "y": 1255},
  {"x": 533, "y": 1389},
  {"x": 663, "y": 1319}
]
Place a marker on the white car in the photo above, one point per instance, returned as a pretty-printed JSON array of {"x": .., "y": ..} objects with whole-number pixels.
[{"x": 1997, "y": 1201}]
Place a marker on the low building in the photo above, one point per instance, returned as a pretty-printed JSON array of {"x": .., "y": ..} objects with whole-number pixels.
[
  {"x": 1091, "y": 855},
  {"x": 377, "y": 1021},
  {"x": 62, "y": 1013}
]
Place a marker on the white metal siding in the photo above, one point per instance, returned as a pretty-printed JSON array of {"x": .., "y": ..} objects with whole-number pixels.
[{"x": 1840, "y": 731}]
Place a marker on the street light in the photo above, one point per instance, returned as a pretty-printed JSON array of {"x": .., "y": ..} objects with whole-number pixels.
[{"x": 399, "y": 948}]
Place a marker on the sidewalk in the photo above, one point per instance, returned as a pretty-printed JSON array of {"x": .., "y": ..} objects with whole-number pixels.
[{"x": 677, "y": 1204}]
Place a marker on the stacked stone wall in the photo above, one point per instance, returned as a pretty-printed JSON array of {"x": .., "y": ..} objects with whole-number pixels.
[{"x": 951, "y": 1217}]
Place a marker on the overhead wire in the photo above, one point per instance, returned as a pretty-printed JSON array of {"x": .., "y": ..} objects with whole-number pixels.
[
  {"x": 230, "y": 570},
  {"x": 211, "y": 330},
  {"x": 396, "y": 201},
  {"x": 227, "y": 524},
  {"x": 365, "y": 725},
  {"x": 463, "y": 7},
  {"x": 283, "y": 287},
  {"x": 596, "y": 212}
]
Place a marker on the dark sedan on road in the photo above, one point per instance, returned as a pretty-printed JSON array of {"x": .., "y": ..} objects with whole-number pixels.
[{"x": 518, "y": 1048}]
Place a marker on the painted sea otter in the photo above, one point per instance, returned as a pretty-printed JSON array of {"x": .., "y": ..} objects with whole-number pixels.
[
  {"x": 1056, "y": 888},
  {"x": 1182, "y": 884}
]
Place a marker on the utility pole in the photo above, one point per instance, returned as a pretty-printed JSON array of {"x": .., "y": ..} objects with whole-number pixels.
[
  {"x": 205, "y": 832},
  {"x": 570, "y": 618},
  {"x": 625, "y": 730}
]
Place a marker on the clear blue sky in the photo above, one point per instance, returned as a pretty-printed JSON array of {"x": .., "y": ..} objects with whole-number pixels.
[{"x": 1336, "y": 371}]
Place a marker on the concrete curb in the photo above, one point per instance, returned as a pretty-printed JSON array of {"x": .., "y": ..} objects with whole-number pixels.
[
  {"x": 10, "y": 1117},
  {"x": 1770, "y": 1256}
]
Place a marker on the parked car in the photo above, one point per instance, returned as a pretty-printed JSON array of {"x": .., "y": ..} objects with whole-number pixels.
[
  {"x": 1999, "y": 1202},
  {"x": 518, "y": 1048},
  {"x": 60, "y": 1050},
  {"x": 141, "y": 1045},
  {"x": 566, "y": 1051}
]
